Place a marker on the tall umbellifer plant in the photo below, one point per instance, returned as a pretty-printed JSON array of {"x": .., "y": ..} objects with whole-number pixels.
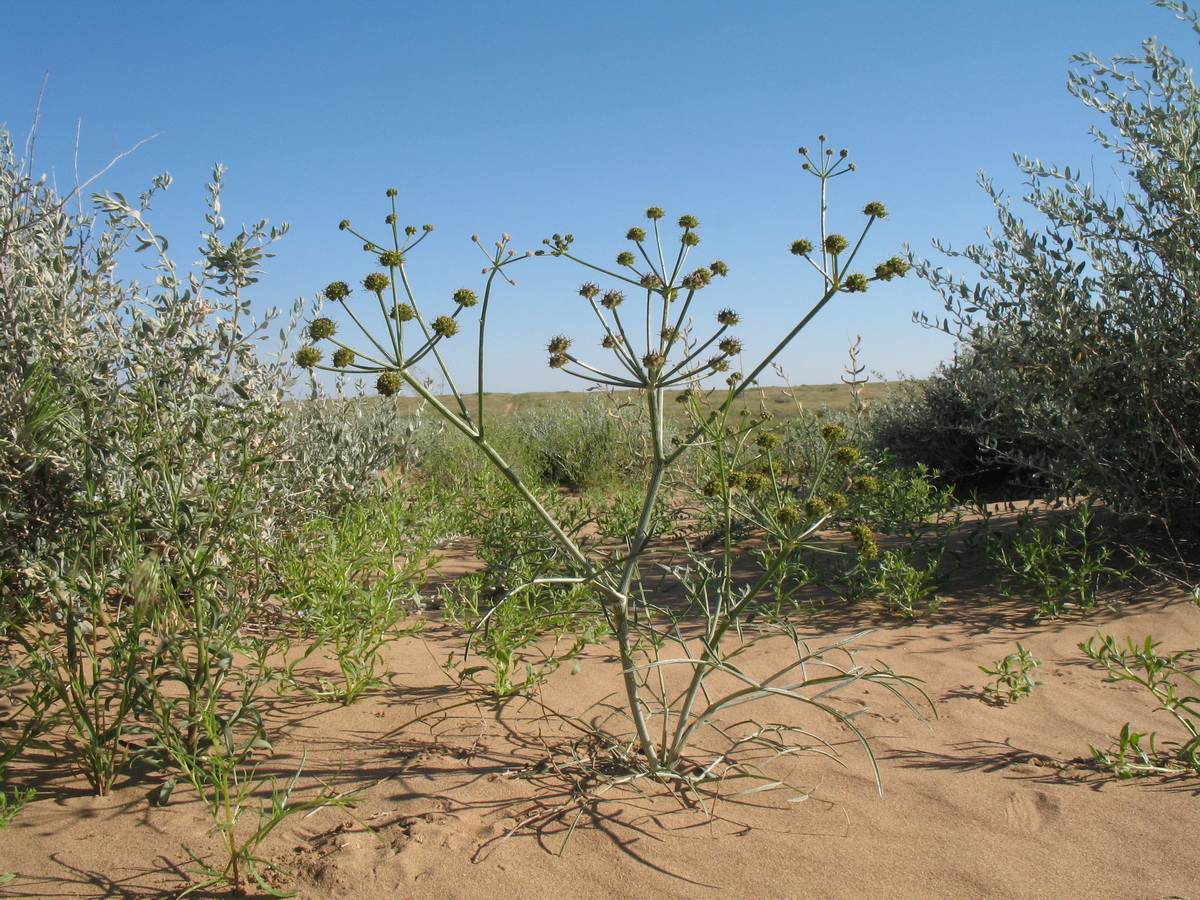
[
  {"x": 1078, "y": 341},
  {"x": 674, "y": 706}
]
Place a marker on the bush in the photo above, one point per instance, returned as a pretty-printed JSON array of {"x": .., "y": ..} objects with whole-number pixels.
[{"x": 1078, "y": 345}]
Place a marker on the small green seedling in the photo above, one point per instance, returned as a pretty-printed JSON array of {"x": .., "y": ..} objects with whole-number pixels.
[{"x": 1014, "y": 676}]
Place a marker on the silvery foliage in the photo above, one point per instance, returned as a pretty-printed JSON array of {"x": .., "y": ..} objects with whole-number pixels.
[
  {"x": 1077, "y": 356},
  {"x": 143, "y": 412}
]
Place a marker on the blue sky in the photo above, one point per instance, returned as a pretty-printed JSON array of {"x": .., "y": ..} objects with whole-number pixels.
[{"x": 536, "y": 117}]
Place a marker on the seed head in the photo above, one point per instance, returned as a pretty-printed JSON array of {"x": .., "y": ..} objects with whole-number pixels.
[
  {"x": 624, "y": 258},
  {"x": 636, "y": 234},
  {"x": 689, "y": 222},
  {"x": 654, "y": 360},
  {"x": 689, "y": 239},
  {"x": 376, "y": 282},
  {"x": 855, "y": 283},
  {"x": 391, "y": 258},
  {"x": 444, "y": 326},
  {"x": 589, "y": 290},
  {"x": 558, "y": 360},
  {"x": 730, "y": 346},
  {"x": 669, "y": 335},
  {"x": 404, "y": 313},
  {"x": 835, "y": 244},
  {"x": 719, "y": 268},
  {"x": 697, "y": 279},
  {"x": 321, "y": 328},
  {"x": 768, "y": 440},
  {"x": 612, "y": 299},
  {"x": 718, "y": 364},
  {"x": 728, "y": 317},
  {"x": 650, "y": 281},
  {"x": 734, "y": 378},
  {"x": 559, "y": 344},
  {"x": 337, "y": 290},
  {"x": 388, "y": 383},
  {"x": 392, "y": 192},
  {"x": 465, "y": 297},
  {"x": 875, "y": 209},
  {"x": 611, "y": 341},
  {"x": 802, "y": 247},
  {"x": 343, "y": 357},
  {"x": 788, "y": 516},
  {"x": 307, "y": 357},
  {"x": 654, "y": 213}
]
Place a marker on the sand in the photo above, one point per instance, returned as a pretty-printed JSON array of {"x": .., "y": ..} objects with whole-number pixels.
[{"x": 983, "y": 801}]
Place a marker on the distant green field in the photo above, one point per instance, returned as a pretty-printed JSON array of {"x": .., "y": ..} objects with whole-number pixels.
[{"x": 782, "y": 401}]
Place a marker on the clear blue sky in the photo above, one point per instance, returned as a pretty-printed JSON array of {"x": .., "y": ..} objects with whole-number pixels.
[{"x": 536, "y": 117}]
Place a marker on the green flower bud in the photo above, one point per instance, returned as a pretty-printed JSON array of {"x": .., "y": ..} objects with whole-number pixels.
[
  {"x": 376, "y": 282},
  {"x": 343, "y": 225},
  {"x": 802, "y": 248},
  {"x": 636, "y": 234},
  {"x": 392, "y": 192},
  {"x": 465, "y": 297},
  {"x": 559, "y": 344},
  {"x": 728, "y": 317},
  {"x": 855, "y": 283},
  {"x": 390, "y": 219},
  {"x": 589, "y": 290},
  {"x": 888, "y": 270},
  {"x": 410, "y": 230},
  {"x": 875, "y": 209},
  {"x": 388, "y": 383},
  {"x": 307, "y": 357},
  {"x": 427, "y": 228},
  {"x": 654, "y": 213},
  {"x": 391, "y": 258},
  {"x": 689, "y": 222},
  {"x": 343, "y": 357},
  {"x": 337, "y": 290},
  {"x": 612, "y": 299},
  {"x": 689, "y": 239},
  {"x": 444, "y": 326},
  {"x": 835, "y": 244},
  {"x": 321, "y": 328},
  {"x": 625, "y": 258}
]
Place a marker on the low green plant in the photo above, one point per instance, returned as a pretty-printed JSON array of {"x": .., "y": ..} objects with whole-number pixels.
[
  {"x": 1172, "y": 681},
  {"x": 903, "y": 580},
  {"x": 1066, "y": 563},
  {"x": 1014, "y": 676},
  {"x": 673, "y": 704}
]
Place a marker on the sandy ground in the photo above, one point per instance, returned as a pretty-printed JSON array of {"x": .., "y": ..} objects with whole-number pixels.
[{"x": 983, "y": 802}]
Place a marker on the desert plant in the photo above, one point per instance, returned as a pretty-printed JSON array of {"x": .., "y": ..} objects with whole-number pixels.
[
  {"x": 1075, "y": 358},
  {"x": 1170, "y": 679},
  {"x": 1066, "y": 564},
  {"x": 1014, "y": 676},
  {"x": 653, "y": 349}
]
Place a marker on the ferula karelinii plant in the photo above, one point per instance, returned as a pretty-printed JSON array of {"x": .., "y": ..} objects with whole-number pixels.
[{"x": 645, "y": 308}]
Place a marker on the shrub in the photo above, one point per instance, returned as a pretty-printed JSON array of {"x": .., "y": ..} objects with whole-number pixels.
[{"x": 1077, "y": 358}]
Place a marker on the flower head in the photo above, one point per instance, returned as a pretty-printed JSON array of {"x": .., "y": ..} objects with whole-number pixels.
[
  {"x": 376, "y": 282},
  {"x": 802, "y": 247},
  {"x": 612, "y": 299},
  {"x": 654, "y": 213},
  {"x": 558, "y": 360},
  {"x": 654, "y": 361},
  {"x": 836, "y": 244},
  {"x": 728, "y": 317},
  {"x": 875, "y": 209},
  {"x": 343, "y": 357},
  {"x": 388, "y": 383},
  {"x": 815, "y": 507},
  {"x": 889, "y": 269},
  {"x": 719, "y": 268},
  {"x": 589, "y": 290},
  {"x": 689, "y": 239},
  {"x": 788, "y": 516},
  {"x": 650, "y": 281},
  {"x": 689, "y": 222},
  {"x": 465, "y": 297},
  {"x": 730, "y": 346},
  {"x": 337, "y": 290},
  {"x": 610, "y": 341},
  {"x": 391, "y": 258},
  {"x": 444, "y": 326},
  {"x": 697, "y": 279},
  {"x": 307, "y": 357},
  {"x": 559, "y": 344},
  {"x": 625, "y": 258},
  {"x": 636, "y": 234},
  {"x": 847, "y": 455},
  {"x": 855, "y": 283},
  {"x": 768, "y": 440},
  {"x": 321, "y": 328},
  {"x": 833, "y": 433}
]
